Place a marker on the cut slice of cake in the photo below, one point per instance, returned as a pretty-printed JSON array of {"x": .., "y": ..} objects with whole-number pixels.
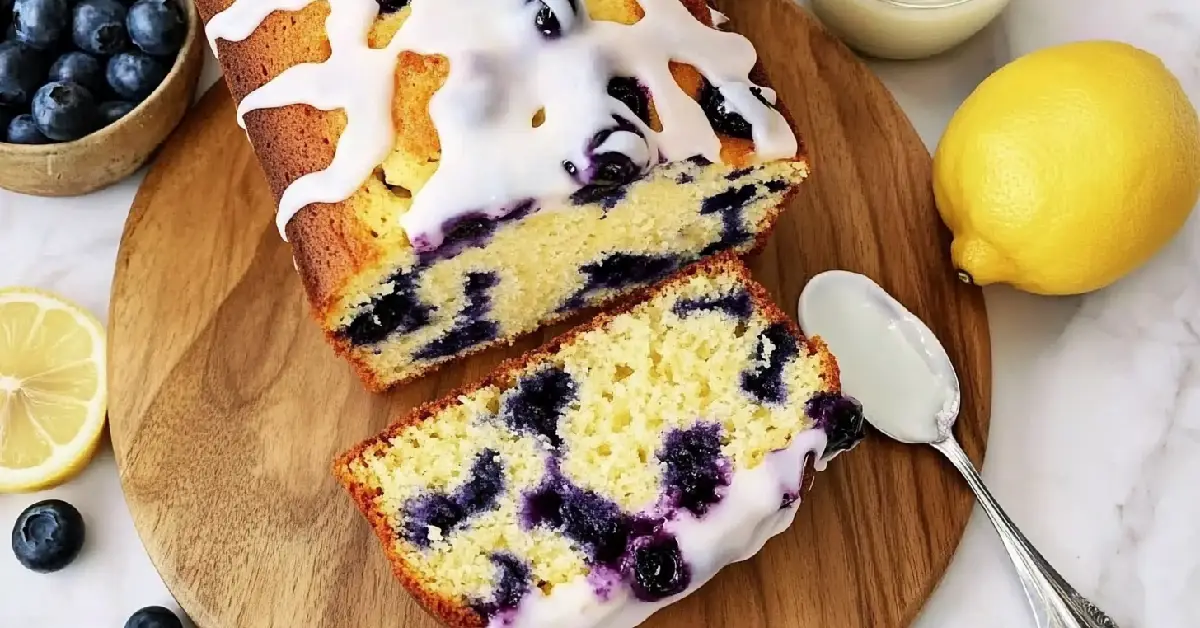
[
  {"x": 613, "y": 471},
  {"x": 453, "y": 174}
]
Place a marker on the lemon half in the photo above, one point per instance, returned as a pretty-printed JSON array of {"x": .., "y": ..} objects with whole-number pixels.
[{"x": 53, "y": 398}]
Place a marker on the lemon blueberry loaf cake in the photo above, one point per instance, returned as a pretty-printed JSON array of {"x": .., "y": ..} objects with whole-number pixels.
[
  {"x": 615, "y": 470},
  {"x": 454, "y": 173}
]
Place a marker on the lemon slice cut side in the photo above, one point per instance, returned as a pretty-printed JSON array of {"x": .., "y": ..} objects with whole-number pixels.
[{"x": 53, "y": 399}]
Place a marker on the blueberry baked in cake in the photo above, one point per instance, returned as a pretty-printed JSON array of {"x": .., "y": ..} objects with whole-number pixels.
[
  {"x": 452, "y": 174},
  {"x": 614, "y": 471}
]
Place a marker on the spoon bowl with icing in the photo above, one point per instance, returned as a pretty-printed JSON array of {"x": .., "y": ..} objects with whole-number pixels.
[{"x": 896, "y": 367}]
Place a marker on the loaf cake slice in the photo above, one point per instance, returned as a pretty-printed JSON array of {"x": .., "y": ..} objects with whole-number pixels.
[
  {"x": 452, "y": 174},
  {"x": 614, "y": 471}
]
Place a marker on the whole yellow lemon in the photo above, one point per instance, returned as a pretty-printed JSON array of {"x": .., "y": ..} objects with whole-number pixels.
[{"x": 1068, "y": 168}]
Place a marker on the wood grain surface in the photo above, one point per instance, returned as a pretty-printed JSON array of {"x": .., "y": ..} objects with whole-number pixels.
[{"x": 227, "y": 407}]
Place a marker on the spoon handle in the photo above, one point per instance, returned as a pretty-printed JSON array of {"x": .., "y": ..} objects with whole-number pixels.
[{"x": 1055, "y": 603}]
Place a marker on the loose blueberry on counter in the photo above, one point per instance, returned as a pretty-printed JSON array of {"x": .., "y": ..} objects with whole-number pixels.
[
  {"x": 629, "y": 91},
  {"x": 64, "y": 111},
  {"x": 6, "y": 117},
  {"x": 158, "y": 27},
  {"x": 153, "y": 617},
  {"x": 135, "y": 75},
  {"x": 113, "y": 110},
  {"x": 22, "y": 70},
  {"x": 41, "y": 23},
  {"x": 23, "y": 130},
  {"x": 80, "y": 68},
  {"x": 98, "y": 27},
  {"x": 48, "y": 536}
]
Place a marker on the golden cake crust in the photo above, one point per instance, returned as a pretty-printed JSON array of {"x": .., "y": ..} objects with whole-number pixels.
[
  {"x": 449, "y": 611},
  {"x": 332, "y": 243}
]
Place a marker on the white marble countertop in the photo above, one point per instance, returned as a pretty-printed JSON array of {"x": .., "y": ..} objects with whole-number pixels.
[{"x": 1095, "y": 442}]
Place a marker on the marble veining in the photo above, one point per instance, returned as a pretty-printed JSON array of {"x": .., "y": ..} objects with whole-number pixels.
[{"x": 1095, "y": 442}]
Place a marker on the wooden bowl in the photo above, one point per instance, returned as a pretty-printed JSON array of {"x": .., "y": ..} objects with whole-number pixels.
[{"x": 118, "y": 150}]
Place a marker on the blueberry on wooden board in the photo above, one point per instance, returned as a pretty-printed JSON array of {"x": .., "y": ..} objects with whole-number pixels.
[{"x": 48, "y": 536}]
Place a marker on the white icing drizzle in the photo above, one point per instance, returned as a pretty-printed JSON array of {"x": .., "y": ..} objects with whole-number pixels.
[
  {"x": 502, "y": 72},
  {"x": 732, "y": 531}
]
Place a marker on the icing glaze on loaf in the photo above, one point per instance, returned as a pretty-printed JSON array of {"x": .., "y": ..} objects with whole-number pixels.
[{"x": 529, "y": 59}]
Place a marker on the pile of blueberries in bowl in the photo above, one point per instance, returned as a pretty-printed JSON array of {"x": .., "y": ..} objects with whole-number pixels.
[{"x": 69, "y": 68}]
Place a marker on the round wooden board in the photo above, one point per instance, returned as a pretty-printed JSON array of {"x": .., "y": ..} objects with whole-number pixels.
[{"x": 227, "y": 407}]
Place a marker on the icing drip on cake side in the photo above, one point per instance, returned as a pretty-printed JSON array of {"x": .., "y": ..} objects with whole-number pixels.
[{"x": 504, "y": 69}]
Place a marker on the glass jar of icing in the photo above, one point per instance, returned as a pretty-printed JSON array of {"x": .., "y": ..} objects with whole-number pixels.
[{"x": 906, "y": 29}]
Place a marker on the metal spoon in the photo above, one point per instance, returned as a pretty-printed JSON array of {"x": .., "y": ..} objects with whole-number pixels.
[{"x": 1055, "y": 603}]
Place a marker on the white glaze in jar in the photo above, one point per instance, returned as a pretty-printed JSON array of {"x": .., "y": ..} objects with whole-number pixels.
[{"x": 906, "y": 29}]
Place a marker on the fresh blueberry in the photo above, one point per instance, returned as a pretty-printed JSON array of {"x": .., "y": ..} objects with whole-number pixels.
[
  {"x": 537, "y": 403},
  {"x": 153, "y": 617},
  {"x": 98, "y": 26},
  {"x": 158, "y": 27},
  {"x": 6, "y": 116},
  {"x": 48, "y": 535},
  {"x": 41, "y": 23},
  {"x": 113, "y": 110},
  {"x": 658, "y": 569},
  {"x": 79, "y": 67},
  {"x": 627, "y": 90},
  {"x": 64, "y": 111},
  {"x": 22, "y": 130},
  {"x": 391, "y": 6},
  {"x": 134, "y": 75},
  {"x": 22, "y": 70}
]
